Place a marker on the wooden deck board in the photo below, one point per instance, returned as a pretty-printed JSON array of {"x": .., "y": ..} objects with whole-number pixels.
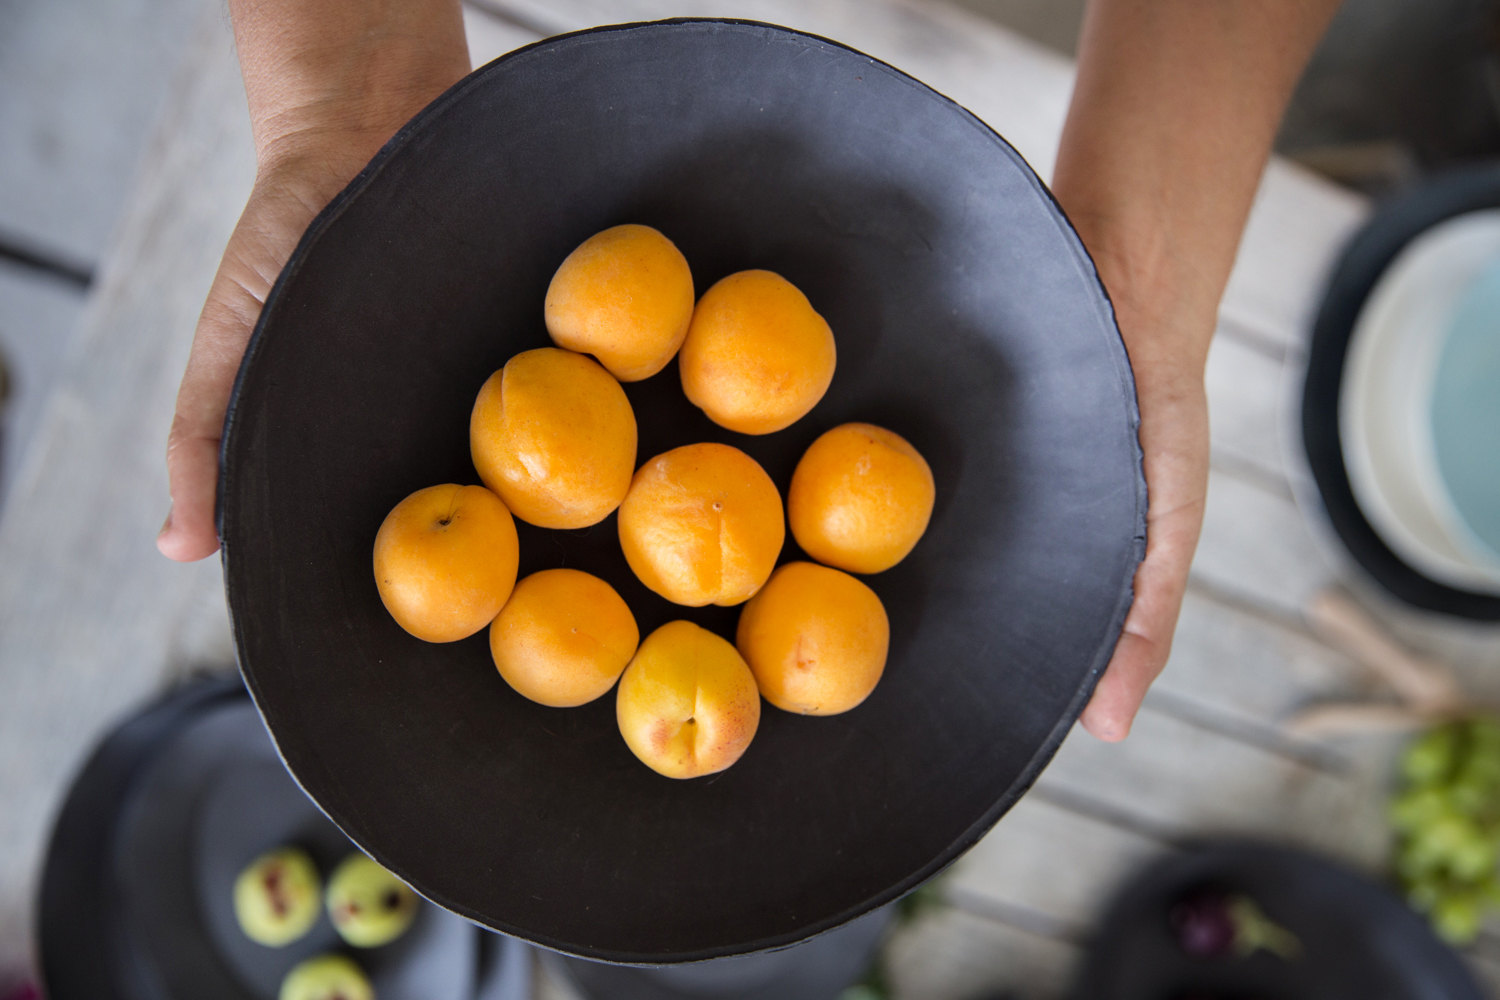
[
  {"x": 38, "y": 314},
  {"x": 81, "y": 85},
  {"x": 90, "y": 615}
]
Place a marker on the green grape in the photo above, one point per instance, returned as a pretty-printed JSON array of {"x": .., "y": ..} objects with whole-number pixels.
[
  {"x": 1473, "y": 859},
  {"x": 1483, "y": 761},
  {"x": 1470, "y": 796},
  {"x": 1431, "y": 758},
  {"x": 1414, "y": 865},
  {"x": 1489, "y": 890},
  {"x": 1447, "y": 838},
  {"x": 1424, "y": 893},
  {"x": 1484, "y": 737},
  {"x": 1457, "y": 916},
  {"x": 1417, "y": 807}
]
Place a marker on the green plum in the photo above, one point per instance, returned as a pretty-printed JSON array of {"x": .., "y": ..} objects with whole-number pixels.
[
  {"x": 367, "y": 904},
  {"x": 326, "y": 977},
  {"x": 276, "y": 897}
]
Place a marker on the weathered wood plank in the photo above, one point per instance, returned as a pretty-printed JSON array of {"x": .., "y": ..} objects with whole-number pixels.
[
  {"x": 92, "y": 619},
  {"x": 1240, "y": 666},
  {"x": 1247, "y": 409},
  {"x": 950, "y": 954},
  {"x": 1296, "y": 231},
  {"x": 38, "y": 314},
  {"x": 490, "y": 36},
  {"x": 80, "y": 86},
  {"x": 547, "y": 986},
  {"x": 1056, "y": 863},
  {"x": 1175, "y": 779},
  {"x": 1256, "y": 544},
  {"x": 90, "y": 615}
]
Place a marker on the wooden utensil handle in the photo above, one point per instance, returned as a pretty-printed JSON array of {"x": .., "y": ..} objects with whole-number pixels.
[{"x": 1423, "y": 684}]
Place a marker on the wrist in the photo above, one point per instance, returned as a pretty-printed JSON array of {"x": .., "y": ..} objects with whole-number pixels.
[
  {"x": 1165, "y": 302},
  {"x": 329, "y": 83}
]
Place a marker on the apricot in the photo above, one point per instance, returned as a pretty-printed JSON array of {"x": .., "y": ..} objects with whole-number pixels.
[
  {"x": 816, "y": 639},
  {"x": 625, "y": 296},
  {"x": 860, "y": 498},
  {"x": 445, "y": 561},
  {"x": 702, "y": 524},
  {"x": 757, "y": 356},
  {"x": 687, "y": 704},
  {"x": 553, "y": 434},
  {"x": 563, "y": 637}
]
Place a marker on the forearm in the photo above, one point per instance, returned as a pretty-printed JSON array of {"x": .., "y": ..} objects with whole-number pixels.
[
  {"x": 1174, "y": 112},
  {"x": 344, "y": 73}
]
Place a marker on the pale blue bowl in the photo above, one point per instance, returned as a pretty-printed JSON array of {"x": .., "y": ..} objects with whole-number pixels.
[{"x": 1466, "y": 414}]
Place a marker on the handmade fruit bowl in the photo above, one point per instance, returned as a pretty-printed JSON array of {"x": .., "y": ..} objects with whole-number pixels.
[{"x": 968, "y": 319}]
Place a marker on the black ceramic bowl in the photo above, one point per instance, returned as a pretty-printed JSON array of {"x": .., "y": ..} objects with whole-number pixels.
[
  {"x": 969, "y": 319},
  {"x": 1356, "y": 940}
]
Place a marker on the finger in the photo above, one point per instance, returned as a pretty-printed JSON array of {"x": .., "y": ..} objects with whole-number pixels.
[
  {"x": 1174, "y": 441},
  {"x": 229, "y": 315},
  {"x": 1145, "y": 643},
  {"x": 189, "y": 532}
]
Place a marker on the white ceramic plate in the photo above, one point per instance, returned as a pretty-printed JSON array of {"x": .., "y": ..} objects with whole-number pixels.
[{"x": 1385, "y": 407}]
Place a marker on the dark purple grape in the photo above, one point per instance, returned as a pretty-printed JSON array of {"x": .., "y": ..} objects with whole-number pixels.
[{"x": 1204, "y": 924}]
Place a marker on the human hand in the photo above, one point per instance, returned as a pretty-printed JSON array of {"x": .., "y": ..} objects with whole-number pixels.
[
  {"x": 1174, "y": 442},
  {"x": 1173, "y": 113},
  {"x": 327, "y": 84},
  {"x": 285, "y": 199}
]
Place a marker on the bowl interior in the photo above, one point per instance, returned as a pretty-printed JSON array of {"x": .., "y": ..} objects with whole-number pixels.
[{"x": 968, "y": 319}]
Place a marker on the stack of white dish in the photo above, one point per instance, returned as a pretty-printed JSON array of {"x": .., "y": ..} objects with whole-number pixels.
[{"x": 1419, "y": 413}]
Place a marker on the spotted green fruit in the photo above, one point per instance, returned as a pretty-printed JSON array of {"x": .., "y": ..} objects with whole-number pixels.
[
  {"x": 276, "y": 897},
  {"x": 367, "y": 904},
  {"x": 326, "y": 977}
]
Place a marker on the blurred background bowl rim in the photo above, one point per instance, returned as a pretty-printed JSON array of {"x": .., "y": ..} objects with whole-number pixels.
[
  {"x": 1389, "y": 377},
  {"x": 1326, "y": 492}
]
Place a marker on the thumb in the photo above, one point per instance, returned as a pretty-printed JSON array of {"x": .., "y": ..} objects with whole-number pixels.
[{"x": 262, "y": 241}]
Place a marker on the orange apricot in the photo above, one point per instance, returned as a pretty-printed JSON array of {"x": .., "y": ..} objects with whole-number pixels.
[
  {"x": 860, "y": 498},
  {"x": 815, "y": 638},
  {"x": 757, "y": 356},
  {"x": 702, "y": 524},
  {"x": 687, "y": 704},
  {"x": 563, "y": 637},
  {"x": 625, "y": 296},
  {"x": 445, "y": 561},
  {"x": 553, "y": 434}
]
